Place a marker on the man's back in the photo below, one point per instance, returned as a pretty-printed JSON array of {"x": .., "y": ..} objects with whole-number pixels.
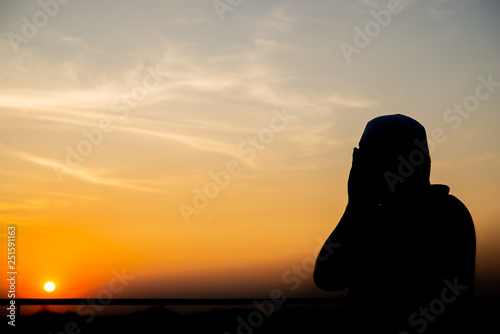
[{"x": 412, "y": 264}]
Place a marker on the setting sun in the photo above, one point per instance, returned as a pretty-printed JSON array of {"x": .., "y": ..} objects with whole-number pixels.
[{"x": 49, "y": 286}]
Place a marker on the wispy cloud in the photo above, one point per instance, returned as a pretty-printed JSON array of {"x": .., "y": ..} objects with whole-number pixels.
[
  {"x": 28, "y": 204},
  {"x": 277, "y": 19},
  {"x": 352, "y": 102},
  {"x": 194, "y": 142},
  {"x": 379, "y": 4},
  {"x": 83, "y": 174}
]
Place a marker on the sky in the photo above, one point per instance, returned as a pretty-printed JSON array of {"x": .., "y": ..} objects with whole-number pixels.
[{"x": 201, "y": 148}]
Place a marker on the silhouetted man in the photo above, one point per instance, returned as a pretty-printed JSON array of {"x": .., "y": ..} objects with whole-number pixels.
[{"x": 407, "y": 248}]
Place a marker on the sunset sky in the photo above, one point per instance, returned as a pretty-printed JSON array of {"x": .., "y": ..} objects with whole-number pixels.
[{"x": 115, "y": 115}]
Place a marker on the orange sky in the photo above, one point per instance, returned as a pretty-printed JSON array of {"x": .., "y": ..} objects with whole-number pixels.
[{"x": 155, "y": 98}]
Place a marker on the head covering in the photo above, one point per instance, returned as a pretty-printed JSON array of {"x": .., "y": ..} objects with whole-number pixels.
[
  {"x": 397, "y": 145},
  {"x": 394, "y": 130}
]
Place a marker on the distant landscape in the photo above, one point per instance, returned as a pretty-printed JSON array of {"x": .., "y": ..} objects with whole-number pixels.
[{"x": 157, "y": 319}]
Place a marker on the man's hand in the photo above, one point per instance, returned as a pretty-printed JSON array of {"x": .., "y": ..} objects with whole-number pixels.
[{"x": 361, "y": 186}]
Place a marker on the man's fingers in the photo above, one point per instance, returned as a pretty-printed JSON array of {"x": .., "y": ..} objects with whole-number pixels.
[{"x": 355, "y": 156}]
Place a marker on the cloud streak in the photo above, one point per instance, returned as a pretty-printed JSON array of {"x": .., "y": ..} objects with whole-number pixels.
[{"x": 84, "y": 174}]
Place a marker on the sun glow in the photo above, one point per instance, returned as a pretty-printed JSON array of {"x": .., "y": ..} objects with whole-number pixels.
[{"x": 49, "y": 286}]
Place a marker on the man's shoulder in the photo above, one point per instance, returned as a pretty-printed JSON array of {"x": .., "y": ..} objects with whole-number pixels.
[
  {"x": 447, "y": 205},
  {"x": 440, "y": 194},
  {"x": 451, "y": 211}
]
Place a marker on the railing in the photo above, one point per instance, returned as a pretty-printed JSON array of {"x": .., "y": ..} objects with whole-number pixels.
[{"x": 167, "y": 301}]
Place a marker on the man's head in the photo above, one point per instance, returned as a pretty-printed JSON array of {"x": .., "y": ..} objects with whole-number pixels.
[{"x": 395, "y": 149}]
